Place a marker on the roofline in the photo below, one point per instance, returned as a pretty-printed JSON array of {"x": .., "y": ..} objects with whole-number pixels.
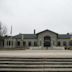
[{"x": 47, "y": 30}]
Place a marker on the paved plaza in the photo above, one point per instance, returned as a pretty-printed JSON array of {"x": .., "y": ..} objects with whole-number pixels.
[{"x": 36, "y": 53}]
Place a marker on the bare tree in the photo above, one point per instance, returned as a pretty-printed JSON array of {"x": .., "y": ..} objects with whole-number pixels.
[{"x": 3, "y": 29}]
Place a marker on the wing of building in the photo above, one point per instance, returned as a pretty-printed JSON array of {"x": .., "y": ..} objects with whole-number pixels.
[{"x": 43, "y": 39}]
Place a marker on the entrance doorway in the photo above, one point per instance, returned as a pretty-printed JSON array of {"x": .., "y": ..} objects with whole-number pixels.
[{"x": 47, "y": 41}]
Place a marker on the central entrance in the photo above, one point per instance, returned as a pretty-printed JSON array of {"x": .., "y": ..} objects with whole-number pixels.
[{"x": 47, "y": 41}]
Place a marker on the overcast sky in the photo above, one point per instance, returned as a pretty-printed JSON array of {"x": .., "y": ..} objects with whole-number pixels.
[{"x": 27, "y": 15}]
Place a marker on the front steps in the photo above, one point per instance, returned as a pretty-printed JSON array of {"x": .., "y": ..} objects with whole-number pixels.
[{"x": 20, "y": 64}]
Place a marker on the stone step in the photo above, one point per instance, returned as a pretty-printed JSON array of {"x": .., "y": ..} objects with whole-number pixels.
[
  {"x": 19, "y": 62},
  {"x": 37, "y": 60},
  {"x": 35, "y": 66},
  {"x": 39, "y": 69},
  {"x": 30, "y": 60}
]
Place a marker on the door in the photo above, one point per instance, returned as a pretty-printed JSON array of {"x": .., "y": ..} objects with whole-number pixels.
[{"x": 47, "y": 41}]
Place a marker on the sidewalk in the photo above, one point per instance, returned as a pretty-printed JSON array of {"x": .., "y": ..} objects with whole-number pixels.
[{"x": 37, "y": 53}]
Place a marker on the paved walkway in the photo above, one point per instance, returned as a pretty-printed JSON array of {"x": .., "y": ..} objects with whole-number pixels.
[{"x": 36, "y": 53}]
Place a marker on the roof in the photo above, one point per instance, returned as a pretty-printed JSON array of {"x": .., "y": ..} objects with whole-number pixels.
[
  {"x": 64, "y": 36},
  {"x": 17, "y": 36},
  {"x": 30, "y": 36},
  {"x": 6, "y": 37},
  {"x": 25, "y": 36},
  {"x": 34, "y": 36},
  {"x": 48, "y": 31}
]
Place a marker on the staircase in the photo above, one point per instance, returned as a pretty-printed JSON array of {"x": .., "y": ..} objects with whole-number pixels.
[{"x": 20, "y": 64}]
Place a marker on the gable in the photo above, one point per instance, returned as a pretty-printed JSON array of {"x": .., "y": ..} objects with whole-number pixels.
[{"x": 47, "y": 31}]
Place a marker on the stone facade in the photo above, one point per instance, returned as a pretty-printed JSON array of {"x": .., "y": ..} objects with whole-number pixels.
[{"x": 46, "y": 38}]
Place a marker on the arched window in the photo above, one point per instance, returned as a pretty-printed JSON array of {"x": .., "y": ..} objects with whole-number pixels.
[
  {"x": 47, "y": 38},
  {"x": 64, "y": 43},
  {"x": 70, "y": 43},
  {"x": 58, "y": 43}
]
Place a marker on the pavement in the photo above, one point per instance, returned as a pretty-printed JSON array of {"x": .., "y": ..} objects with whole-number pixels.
[{"x": 37, "y": 53}]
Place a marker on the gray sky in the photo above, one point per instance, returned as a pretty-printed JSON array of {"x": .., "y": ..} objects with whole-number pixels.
[{"x": 26, "y": 15}]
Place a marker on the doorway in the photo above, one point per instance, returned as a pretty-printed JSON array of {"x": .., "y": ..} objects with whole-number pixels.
[{"x": 47, "y": 41}]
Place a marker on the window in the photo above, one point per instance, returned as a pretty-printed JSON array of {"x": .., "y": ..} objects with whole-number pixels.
[
  {"x": 3, "y": 43},
  {"x": 9, "y": 43},
  {"x": 24, "y": 43},
  {"x": 64, "y": 43},
  {"x": 35, "y": 43},
  {"x": 58, "y": 43},
  {"x": 18, "y": 43},
  {"x": 47, "y": 38},
  {"x": 70, "y": 43},
  {"x": 29, "y": 44}
]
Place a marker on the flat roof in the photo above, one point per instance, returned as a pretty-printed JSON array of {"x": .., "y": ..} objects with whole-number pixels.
[{"x": 37, "y": 53}]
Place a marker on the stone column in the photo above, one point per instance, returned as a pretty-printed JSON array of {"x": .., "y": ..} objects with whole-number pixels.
[
  {"x": 5, "y": 43},
  {"x": 21, "y": 43}
]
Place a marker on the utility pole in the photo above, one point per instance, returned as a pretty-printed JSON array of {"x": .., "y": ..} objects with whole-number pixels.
[{"x": 11, "y": 38}]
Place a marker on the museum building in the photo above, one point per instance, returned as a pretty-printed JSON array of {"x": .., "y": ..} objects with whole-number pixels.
[{"x": 43, "y": 39}]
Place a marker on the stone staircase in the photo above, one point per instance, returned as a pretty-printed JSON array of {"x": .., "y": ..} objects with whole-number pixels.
[{"x": 20, "y": 64}]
